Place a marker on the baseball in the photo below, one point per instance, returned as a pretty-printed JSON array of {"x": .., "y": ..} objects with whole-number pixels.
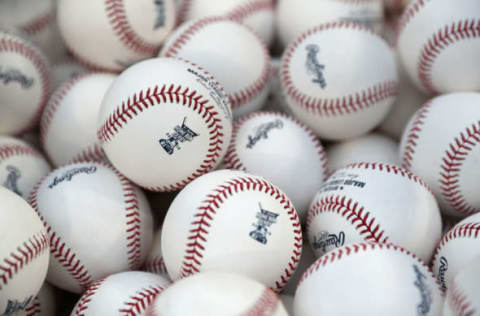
[
  {"x": 68, "y": 123},
  {"x": 374, "y": 202},
  {"x": 257, "y": 14},
  {"x": 296, "y": 17},
  {"x": 439, "y": 44},
  {"x": 21, "y": 166},
  {"x": 226, "y": 219},
  {"x": 259, "y": 139},
  {"x": 217, "y": 294},
  {"x": 439, "y": 145},
  {"x": 24, "y": 253},
  {"x": 336, "y": 94},
  {"x": 173, "y": 118},
  {"x": 456, "y": 250},
  {"x": 126, "y": 293},
  {"x": 43, "y": 304},
  {"x": 24, "y": 83},
  {"x": 114, "y": 34},
  {"x": 372, "y": 147},
  {"x": 242, "y": 66},
  {"x": 368, "y": 279},
  {"x": 76, "y": 203}
]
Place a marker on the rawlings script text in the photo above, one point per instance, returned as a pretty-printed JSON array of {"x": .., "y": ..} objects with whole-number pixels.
[
  {"x": 262, "y": 132},
  {"x": 160, "y": 7},
  {"x": 426, "y": 295},
  {"x": 314, "y": 67},
  {"x": 325, "y": 239},
  {"x": 441, "y": 273},
  {"x": 69, "y": 174},
  {"x": 8, "y": 76}
]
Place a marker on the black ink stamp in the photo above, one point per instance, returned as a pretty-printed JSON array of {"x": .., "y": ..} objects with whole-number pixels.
[
  {"x": 314, "y": 67},
  {"x": 160, "y": 8},
  {"x": 8, "y": 76},
  {"x": 441, "y": 273},
  {"x": 11, "y": 182},
  {"x": 425, "y": 293},
  {"x": 340, "y": 180},
  {"x": 262, "y": 132},
  {"x": 14, "y": 306},
  {"x": 265, "y": 219},
  {"x": 69, "y": 174},
  {"x": 325, "y": 239},
  {"x": 182, "y": 133}
]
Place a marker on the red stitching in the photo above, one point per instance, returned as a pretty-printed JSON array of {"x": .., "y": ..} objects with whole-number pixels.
[
  {"x": 174, "y": 94},
  {"x": 237, "y": 98},
  {"x": 244, "y": 10},
  {"x": 38, "y": 24},
  {"x": 197, "y": 237},
  {"x": 7, "y": 151},
  {"x": 467, "y": 230},
  {"x": 265, "y": 305},
  {"x": 156, "y": 265},
  {"x": 93, "y": 153},
  {"x": 54, "y": 104},
  {"x": 444, "y": 37},
  {"x": 232, "y": 159},
  {"x": 16, "y": 45},
  {"x": 336, "y": 106},
  {"x": 86, "y": 298},
  {"x": 451, "y": 166},
  {"x": 115, "y": 10},
  {"x": 352, "y": 212},
  {"x": 414, "y": 135},
  {"x": 338, "y": 254},
  {"x": 409, "y": 14},
  {"x": 459, "y": 302},
  {"x": 22, "y": 256},
  {"x": 139, "y": 302},
  {"x": 35, "y": 308}
]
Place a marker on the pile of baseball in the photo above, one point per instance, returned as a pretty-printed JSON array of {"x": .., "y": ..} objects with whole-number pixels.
[{"x": 239, "y": 157}]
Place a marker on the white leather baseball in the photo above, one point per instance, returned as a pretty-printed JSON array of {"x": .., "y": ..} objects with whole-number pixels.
[
  {"x": 440, "y": 145},
  {"x": 439, "y": 44},
  {"x": 126, "y": 293},
  {"x": 306, "y": 260},
  {"x": 21, "y": 166},
  {"x": 463, "y": 296},
  {"x": 372, "y": 147},
  {"x": 98, "y": 223},
  {"x": 165, "y": 122},
  {"x": 279, "y": 148},
  {"x": 296, "y": 17},
  {"x": 456, "y": 250},
  {"x": 217, "y": 294},
  {"x": 226, "y": 220},
  {"x": 155, "y": 262},
  {"x": 69, "y": 121},
  {"x": 368, "y": 279},
  {"x": 257, "y": 14},
  {"x": 242, "y": 65},
  {"x": 24, "y": 83},
  {"x": 43, "y": 304},
  {"x": 335, "y": 92},
  {"x": 374, "y": 202},
  {"x": 24, "y": 253},
  {"x": 113, "y": 34}
]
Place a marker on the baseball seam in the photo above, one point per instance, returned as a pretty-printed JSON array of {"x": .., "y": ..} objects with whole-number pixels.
[
  {"x": 38, "y": 24},
  {"x": 11, "y": 150},
  {"x": 174, "y": 94},
  {"x": 139, "y": 302},
  {"x": 344, "y": 105},
  {"x": 441, "y": 40},
  {"x": 198, "y": 234},
  {"x": 10, "y": 44},
  {"x": 265, "y": 305},
  {"x": 87, "y": 297},
  {"x": 466, "y": 230},
  {"x": 459, "y": 302},
  {"x": 451, "y": 166},
  {"x": 237, "y": 98},
  {"x": 35, "y": 308},
  {"x": 409, "y": 14},
  {"x": 91, "y": 153},
  {"x": 232, "y": 159},
  {"x": 23, "y": 254},
  {"x": 243, "y": 11},
  {"x": 156, "y": 265}
]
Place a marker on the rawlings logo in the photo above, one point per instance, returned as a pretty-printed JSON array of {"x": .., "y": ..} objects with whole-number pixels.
[
  {"x": 314, "y": 67},
  {"x": 182, "y": 133},
  {"x": 426, "y": 295},
  {"x": 11, "y": 182},
  {"x": 324, "y": 239},
  {"x": 12, "y": 75},
  {"x": 262, "y": 132},
  {"x": 15, "y": 306},
  {"x": 69, "y": 174},
  {"x": 441, "y": 273},
  {"x": 160, "y": 7},
  {"x": 265, "y": 219}
]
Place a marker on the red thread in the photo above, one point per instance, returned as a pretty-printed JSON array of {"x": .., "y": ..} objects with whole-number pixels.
[
  {"x": 197, "y": 238},
  {"x": 117, "y": 15},
  {"x": 139, "y": 302},
  {"x": 237, "y": 98},
  {"x": 156, "y": 265},
  {"x": 409, "y": 14},
  {"x": 35, "y": 307},
  {"x": 414, "y": 135},
  {"x": 232, "y": 159},
  {"x": 444, "y": 37},
  {"x": 451, "y": 166},
  {"x": 336, "y": 106},
  {"x": 243, "y": 11},
  {"x": 39, "y": 24},
  {"x": 82, "y": 305},
  {"x": 12, "y": 44},
  {"x": 22, "y": 256},
  {"x": 174, "y": 94},
  {"x": 459, "y": 302},
  {"x": 93, "y": 153},
  {"x": 7, "y": 151},
  {"x": 265, "y": 305}
]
